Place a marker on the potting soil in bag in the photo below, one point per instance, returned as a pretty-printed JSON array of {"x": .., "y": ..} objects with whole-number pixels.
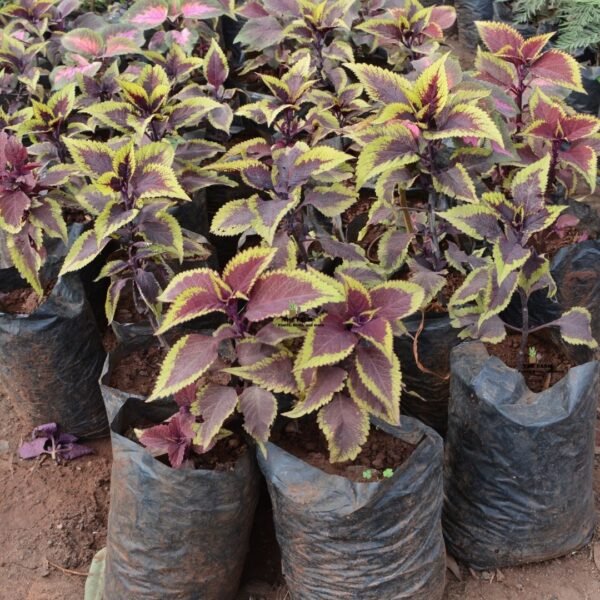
[
  {"x": 469, "y": 11},
  {"x": 519, "y": 465},
  {"x": 50, "y": 360},
  {"x": 344, "y": 540},
  {"x": 427, "y": 392},
  {"x": 174, "y": 533}
]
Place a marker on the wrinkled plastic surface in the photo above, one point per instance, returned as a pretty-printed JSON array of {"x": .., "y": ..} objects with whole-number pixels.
[
  {"x": 519, "y": 466},
  {"x": 426, "y": 395},
  {"x": 343, "y": 540},
  {"x": 50, "y": 360},
  {"x": 469, "y": 11},
  {"x": 174, "y": 533}
]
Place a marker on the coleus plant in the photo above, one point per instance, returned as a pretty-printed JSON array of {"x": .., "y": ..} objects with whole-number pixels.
[
  {"x": 49, "y": 122},
  {"x": 518, "y": 66},
  {"x": 28, "y": 211},
  {"x": 508, "y": 224},
  {"x": 570, "y": 139},
  {"x": 291, "y": 182},
  {"x": 248, "y": 347},
  {"x": 282, "y": 32},
  {"x": 415, "y": 139},
  {"x": 347, "y": 369},
  {"x": 291, "y": 107},
  {"x": 129, "y": 197},
  {"x": 409, "y": 32},
  {"x": 145, "y": 107},
  {"x": 178, "y": 21}
]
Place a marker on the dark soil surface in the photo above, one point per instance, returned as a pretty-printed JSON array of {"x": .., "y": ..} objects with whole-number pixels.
[
  {"x": 551, "y": 243},
  {"x": 381, "y": 451},
  {"x": 551, "y": 363},
  {"x": 137, "y": 372},
  {"x": 454, "y": 280},
  {"x": 23, "y": 301}
]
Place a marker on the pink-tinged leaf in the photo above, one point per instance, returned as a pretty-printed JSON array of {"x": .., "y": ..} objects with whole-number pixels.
[
  {"x": 259, "y": 408},
  {"x": 579, "y": 126},
  {"x": 215, "y": 403},
  {"x": 559, "y": 68},
  {"x": 13, "y": 205},
  {"x": 494, "y": 70},
  {"x": 242, "y": 270},
  {"x": 279, "y": 293},
  {"x": 173, "y": 438},
  {"x": 534, "y": 45},
  {"x": 116, "y": 46},
  {"x": 83, "y": 41},
  {"x": 383, "y": 85},
  {"x": 444, "y": 16},
  {"x": 325, "y": 382},
  {"x": 252, "y": 10},
  {"x": 273, "y": 335},
  {"x": 148, "y": 13},
  {"x": 195, "y": 9},
  {"x": 63, "y": 75},
  {"x": 260, "y": 33},
  {"x": 185, "y": 362},
  {"x": 346, "y": 427},
  {"x": 377, "y": 331},
  {"x": 499, "y": 36}
]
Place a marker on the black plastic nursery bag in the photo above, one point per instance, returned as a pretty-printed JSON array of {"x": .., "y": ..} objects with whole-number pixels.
[
  {"x": 50, "y": 360},
  {"x": 427, "y": 393},
  {"x": 174, "y": 534},
  {"x": 469, "y": 11},
  {"x": 519, "y": 466},
  {"x": 343, "y": 540}
]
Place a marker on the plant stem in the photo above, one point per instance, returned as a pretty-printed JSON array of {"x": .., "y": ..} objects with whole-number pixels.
[
  {"x": 524, "y": 329},
  {"x": 435, "y": 242}
]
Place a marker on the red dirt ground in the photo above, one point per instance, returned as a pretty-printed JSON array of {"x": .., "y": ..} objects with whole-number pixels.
[{"x": 57, "y": 514}]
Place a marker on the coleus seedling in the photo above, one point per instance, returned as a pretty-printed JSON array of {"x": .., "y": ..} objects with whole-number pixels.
[
  {"x": 179, "y": 21},
  {"x": 415, "y": 139},
  {"x": 290, "y": 181},
  {"x": 19, "y": 70},
  {"x": 129, "y": 196},
  {"x": 519, "y": 66},
  {"x": 514, "y": 267},
  {"x": 288, "y": 109},
  {"x": 409, "y": 32},
  {"x": 28, "y": 211},
  {"x": 48, "y": 439},
  {"x": 347, "y": 369},
  {"x": 147, "y": 107},
  {"x": 570, "y": 139},
  {"x": 283, "y": 32},
  {"x": 49, "y": 122},
  {"x": 252, "y": 298}
]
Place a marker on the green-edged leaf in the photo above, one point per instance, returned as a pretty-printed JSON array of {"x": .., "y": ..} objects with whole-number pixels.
[
  {"x": 242, "y": 271},
  {"x": 273, "y": 374},
  {"x": 83, "y": 251},
  {"x": 283, "y": 292},
  {"x": 233, "y": 218},
  {"x": 94, "y": 158},
  {"x": 326, "y": 381},
  {"x": 185, "y": 362},
  {"x": 575, "y": 327},
  {"x": 346, "y": 427}
]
